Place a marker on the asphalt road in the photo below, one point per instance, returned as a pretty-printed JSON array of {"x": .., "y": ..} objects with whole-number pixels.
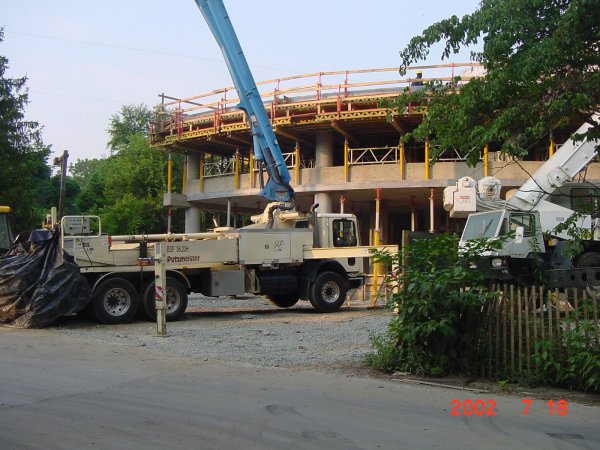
[{"x": 62, "y": 392}]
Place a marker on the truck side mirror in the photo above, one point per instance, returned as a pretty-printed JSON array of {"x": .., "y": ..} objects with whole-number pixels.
[{"x": 519, "y": 233}]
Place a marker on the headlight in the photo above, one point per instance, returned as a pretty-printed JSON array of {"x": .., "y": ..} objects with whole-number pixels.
[{"x": 497, "y": 262}]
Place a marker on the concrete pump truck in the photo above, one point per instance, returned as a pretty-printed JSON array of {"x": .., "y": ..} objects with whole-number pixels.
[{"x": 285, "y": 255}]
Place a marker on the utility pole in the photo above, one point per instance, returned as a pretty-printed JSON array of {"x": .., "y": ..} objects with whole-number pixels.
[{"x": 61, "y": 161}]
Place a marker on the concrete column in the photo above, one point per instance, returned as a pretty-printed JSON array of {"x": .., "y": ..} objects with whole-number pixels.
[
  {"x": 324, "y": 201},
  {"x": 193, "y": 167},
  {"x": 324, "y": 158},
  {"x": 192, "y": 215},
  {"x": 324, "y": 149}
]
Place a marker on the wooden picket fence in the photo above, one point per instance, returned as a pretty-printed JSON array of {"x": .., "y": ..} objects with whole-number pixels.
[{"x": 519, "y": 318}]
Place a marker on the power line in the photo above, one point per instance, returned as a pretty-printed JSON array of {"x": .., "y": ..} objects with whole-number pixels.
[
  {"x": 134, "y": 49},
  {"x": 102, "y": 44},
  {"x": 78, "y": 97}
]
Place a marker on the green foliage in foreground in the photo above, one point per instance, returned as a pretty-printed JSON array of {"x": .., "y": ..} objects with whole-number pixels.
[
  {"x": 437, "y": 305},
  {"x": 440, "y": 325}
]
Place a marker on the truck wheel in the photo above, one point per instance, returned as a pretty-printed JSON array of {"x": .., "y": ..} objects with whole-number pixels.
[
  {"x": 284, "y": 300},
  {"x": 177, "y": 300},
  {"x": 328, "y": 292},
  {"x": 114, "y": 301},
  {"x": 591, "y": 259}
]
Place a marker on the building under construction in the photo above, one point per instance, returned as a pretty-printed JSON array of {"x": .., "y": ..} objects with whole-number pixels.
[{"x": 342, "y": 147}]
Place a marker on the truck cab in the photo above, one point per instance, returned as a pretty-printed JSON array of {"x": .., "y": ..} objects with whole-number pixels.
[{"x": 519, "y": 234}]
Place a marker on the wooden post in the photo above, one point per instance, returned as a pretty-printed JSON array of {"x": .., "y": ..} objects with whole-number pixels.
[
  {"x": 585, "y": 315},
  {"x": 595, "y": 308},
  {"x": 568, "y": 318},
  {"x": 512, "y": 329},
  {"x": 558, "y": 331},
  {"x": 520, "y": 331},
  {"x": 542, "y": 321},
  {"x": 534, "y": 315},
  {"x": 549, "y": 313},
  {"x": 504, "y": 328},
  {"x": 527, "y": 332},
  {"x": 498, "y": 316}
]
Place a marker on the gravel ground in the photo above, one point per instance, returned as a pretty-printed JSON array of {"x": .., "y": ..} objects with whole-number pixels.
[{"x": 251, "y": 330}]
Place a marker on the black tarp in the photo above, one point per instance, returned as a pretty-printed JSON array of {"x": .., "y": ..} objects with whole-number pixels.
[{"x": 39, "y": 282}]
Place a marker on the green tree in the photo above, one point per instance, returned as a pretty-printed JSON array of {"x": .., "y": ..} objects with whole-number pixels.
[
  {"x": 541, "y": 59},
  {"x": 130, "y": 121},
  {"x": 87, "y": 174},
  {"x": 134, "y": 181},
  {"x": 24, "y": 174}
]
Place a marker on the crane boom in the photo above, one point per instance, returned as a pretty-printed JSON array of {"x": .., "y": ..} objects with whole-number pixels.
[
  {"x": 561, "y": 168},
  {"x": 266, "y": 147}
]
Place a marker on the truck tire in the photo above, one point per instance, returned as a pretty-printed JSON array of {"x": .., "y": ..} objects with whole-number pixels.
[
  {"x": 328, "y": 292},
  {"x": 590, "y": 259},
  {"x": 284, "y": 300},
  {"x": 177, "y": 300},
  {"x": 114, "y": 301}
]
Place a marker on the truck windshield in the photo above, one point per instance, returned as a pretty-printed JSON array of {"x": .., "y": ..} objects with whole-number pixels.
[
  {"x": 344, "y": 233},
  {"x": 481, "y": 225}
]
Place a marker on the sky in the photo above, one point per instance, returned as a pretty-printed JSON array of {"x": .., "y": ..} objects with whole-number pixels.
[{"x": 84, "y": 60}]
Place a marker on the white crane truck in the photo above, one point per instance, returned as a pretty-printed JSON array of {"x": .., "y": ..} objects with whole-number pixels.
[
  {"x": 286, "y": 255},
  {"x": 526, "y": 223}
]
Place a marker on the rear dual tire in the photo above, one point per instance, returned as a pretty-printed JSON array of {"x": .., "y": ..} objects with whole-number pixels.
[
  {"x": 114, "y": 301},
  {"x": 177, "y": 300}
]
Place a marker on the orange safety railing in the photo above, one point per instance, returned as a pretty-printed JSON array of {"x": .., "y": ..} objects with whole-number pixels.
[{"x": 313, "y": 89}]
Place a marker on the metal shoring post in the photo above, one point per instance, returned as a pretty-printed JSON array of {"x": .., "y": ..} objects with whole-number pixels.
[
  {"x": 201, "y": 173},
  {"x": 251, "y": 164},
  {"x": 236, "y": 170},
  {"x": 486, "y": 161},
  {"x": 160, "y": 277},
  {"x": 184, "y": 175},
  {"x": 346, "y": 168},
  {"x": 169, "y": 187},
  {"x": 413, "y": 213},
  {"x": 401, "y": 160},
  {"x": 342, "y": 201},
  {"x": 431, "y": 212},
  {"x": 427, "y": 159},
  {"x": 297, "y": 163},
  {"x": 376, "y": 236}
]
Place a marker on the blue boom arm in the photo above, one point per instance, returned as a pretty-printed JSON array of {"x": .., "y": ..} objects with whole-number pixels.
[{"x": 266, "y": 147}]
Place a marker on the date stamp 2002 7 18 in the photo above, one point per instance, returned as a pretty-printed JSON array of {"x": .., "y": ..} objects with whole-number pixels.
[{"x": 488, "y": 407}]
